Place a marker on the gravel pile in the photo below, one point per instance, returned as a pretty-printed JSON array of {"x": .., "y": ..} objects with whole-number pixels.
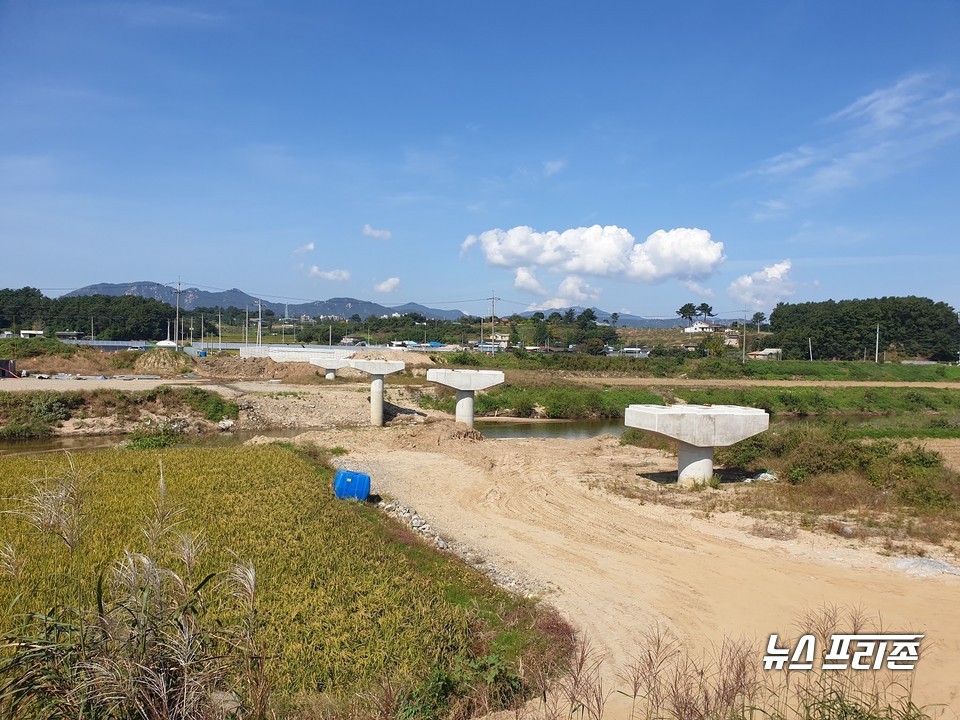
[{"x": 925, "y": 567}]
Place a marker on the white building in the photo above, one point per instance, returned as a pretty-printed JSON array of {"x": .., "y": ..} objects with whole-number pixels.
[{"x": 703, "y": 327}]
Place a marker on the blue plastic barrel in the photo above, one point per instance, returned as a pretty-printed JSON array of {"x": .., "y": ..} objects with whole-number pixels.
[
  {"x": 351, "y": 484},
  {"x": 202, "y": 353}
]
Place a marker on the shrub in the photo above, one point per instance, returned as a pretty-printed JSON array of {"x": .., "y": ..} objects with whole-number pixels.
[{"x": 155, "y": 436}]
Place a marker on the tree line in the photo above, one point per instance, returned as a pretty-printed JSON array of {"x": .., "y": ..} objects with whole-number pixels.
[
  {"x": 913, "y": 327},
  {"x": 112, "y": 317}
]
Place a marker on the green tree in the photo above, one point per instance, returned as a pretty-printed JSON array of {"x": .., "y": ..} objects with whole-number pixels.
[
  {"x": 688, "y": 312},
  {"x": 705, "y": 310},
  {"x": 758, "y": 319}
]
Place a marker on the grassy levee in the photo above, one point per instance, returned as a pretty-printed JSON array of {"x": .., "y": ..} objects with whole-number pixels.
[
  {"x": 346, "y": 600},
  {"x": 827, "y": 400},
  {"x": 704, "y": 368},
  {"x": 568, "y": 400},
  {"x": 556, "y": 402}
]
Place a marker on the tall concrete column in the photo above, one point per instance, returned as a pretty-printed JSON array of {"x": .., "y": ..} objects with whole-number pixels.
[
  {"x": 377, "y": 369},
  {"x": 376, "y": 400},
  {"x": 464, "y": 412},
  {"x": 699, "y": 429},
  {"x": 466, "y": 383}
]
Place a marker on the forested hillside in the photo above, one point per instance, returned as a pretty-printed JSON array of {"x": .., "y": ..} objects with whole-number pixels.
[
  {"x": 910, "y": 327},
  {"x": 124, "y": 317}
]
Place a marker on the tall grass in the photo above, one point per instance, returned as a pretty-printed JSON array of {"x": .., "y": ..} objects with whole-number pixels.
[{"x": 666, "y": 681}]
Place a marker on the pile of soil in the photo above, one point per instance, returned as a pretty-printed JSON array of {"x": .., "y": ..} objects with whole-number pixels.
[
  {"x": 412, "y": 359},
  {"x": 162, "y": 361},
  {"x": 233, "y": 367},
  {"x": 83, "y": 362}
]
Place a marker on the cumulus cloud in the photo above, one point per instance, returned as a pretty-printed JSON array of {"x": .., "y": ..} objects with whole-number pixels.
[
  {"x": 335, "y": 275},
  {"x": 572, "y": 291},
  {"x": 765, "y": 288},
  {"x": 552, "y": 167},
  {"x": 524, "y": 279},
  {"x": 611, "y": 251},
  {"x": 378, "y": 234},
  {"x": 388, "y": 285},
  {"x": 309, "y": 247}
]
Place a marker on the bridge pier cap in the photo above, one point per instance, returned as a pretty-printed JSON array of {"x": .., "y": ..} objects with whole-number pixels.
[
  {"x": 330, "y": 365},
  {"x": 466, "y": 383},
  {"x": 699, "y": 429}
]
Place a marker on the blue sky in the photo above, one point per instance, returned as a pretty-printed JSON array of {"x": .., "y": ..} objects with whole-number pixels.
[{"x": 629, "y": 155}]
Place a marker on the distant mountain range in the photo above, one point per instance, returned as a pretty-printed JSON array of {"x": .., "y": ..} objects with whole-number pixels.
[{"x": 191, "y": 298}]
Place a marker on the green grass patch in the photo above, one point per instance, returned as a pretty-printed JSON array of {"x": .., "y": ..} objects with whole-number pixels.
[
  {"x": 35, "y": 347},
  {"x": 692, "y": 366}
]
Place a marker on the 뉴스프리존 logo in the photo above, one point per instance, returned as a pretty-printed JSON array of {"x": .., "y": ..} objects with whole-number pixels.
[{"x": 861, "y": 651}]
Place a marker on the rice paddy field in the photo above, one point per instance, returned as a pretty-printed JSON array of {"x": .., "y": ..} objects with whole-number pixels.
[{"x": 344, "y": 600}]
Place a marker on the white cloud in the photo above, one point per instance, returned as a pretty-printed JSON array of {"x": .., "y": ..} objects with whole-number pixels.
[
  {"x": 698, "y": 289},
  {"x": 572, "y": 291},
  {"x": 388, "y": 285},
  {"x": 309, "y": 247},
  {"x": 765, "y": 288},
  {"x": 552, "y": 167},
  {"x": 335, "y": 275},
  {"x": 611, "y": 251},
  {"x": 378, "y": 234},
  {"x": 524, "y": 279},
  {"x": 467, "y": 244},
  {"x": 887, "y": 131},
  {"x": 888, "y": 107}
]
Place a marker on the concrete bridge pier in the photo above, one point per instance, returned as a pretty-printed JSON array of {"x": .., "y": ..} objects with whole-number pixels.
[
  {"x": 377, "y": 369},
  {"x": 699, "y": 429},
  {"x": 466, "y": 383}
]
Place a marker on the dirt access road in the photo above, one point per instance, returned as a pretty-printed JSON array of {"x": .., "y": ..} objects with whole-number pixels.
[{"x": 539, "y": 508}]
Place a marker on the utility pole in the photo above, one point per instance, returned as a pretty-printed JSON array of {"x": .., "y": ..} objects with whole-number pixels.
[
  {"x": 330, "y": 336},
  {"x": 743, "y": 355},
  {"x": 219, "y": 329},
  {"x": 259, "y": 321},
  {"x": 92, "y": 338},
  {"x": 191, "y": 330},
  {"x": 876, "y": 352},
  {"x": 810, "y": 345},
  {"x": 176, "y": 324},
  {"x": 246, "y": 325},
  {"x": 493, "y": 317}
]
